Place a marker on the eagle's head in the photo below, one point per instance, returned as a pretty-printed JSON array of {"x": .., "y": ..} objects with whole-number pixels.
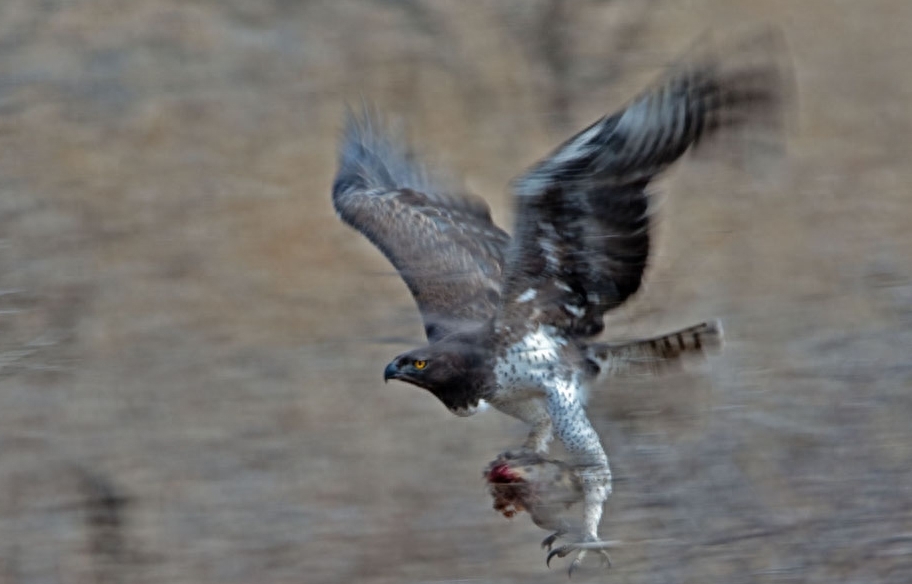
[{"x": 455, "y": 371}]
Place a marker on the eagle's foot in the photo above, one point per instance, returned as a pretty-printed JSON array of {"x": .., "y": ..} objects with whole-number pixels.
[{"x": 583, "y": 548}]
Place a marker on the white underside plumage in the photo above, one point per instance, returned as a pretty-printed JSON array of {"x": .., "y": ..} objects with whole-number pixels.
[{"x": 471, "y": 410}]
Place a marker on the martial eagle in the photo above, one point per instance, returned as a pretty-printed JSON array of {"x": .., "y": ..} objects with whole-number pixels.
[{"x": 510, "y": 321}]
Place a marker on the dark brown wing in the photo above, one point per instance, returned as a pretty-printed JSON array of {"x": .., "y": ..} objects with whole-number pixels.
[
  {"x": 445, "y": 246},
  {"x": 582, "y": 237}
]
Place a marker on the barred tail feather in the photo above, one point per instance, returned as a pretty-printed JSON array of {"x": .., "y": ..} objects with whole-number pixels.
[{"x": 658, "y": 354}]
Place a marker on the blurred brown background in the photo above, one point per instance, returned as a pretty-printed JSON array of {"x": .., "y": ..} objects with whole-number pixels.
[{"x": 191, "y": 344}]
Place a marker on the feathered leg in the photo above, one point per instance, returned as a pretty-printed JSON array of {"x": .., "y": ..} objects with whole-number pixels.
[
  {"x": 533, "y": 412},
  {"x": 573, "y": 429}
]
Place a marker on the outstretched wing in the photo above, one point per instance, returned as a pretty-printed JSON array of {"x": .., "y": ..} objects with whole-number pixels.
[
  {"x": 582, "y": 230},
  {"x": 444, "y": 244}
]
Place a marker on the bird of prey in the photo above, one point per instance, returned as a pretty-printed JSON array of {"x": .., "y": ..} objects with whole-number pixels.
[{"x": 510, "y": 321}]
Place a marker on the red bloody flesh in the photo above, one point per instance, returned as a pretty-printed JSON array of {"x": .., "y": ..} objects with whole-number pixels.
[{"x": 502, "y": 474}]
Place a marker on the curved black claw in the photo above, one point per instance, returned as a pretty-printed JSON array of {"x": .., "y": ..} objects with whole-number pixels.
[
  {"x": 553, "y": 553},
  {"x": 549, "y": 541}
]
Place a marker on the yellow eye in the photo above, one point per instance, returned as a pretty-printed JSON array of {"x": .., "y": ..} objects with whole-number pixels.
[{"x": 419, "y": 364}]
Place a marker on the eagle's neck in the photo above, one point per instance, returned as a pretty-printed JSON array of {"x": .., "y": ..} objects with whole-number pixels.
[
  {"x": 465, "y": 394},
  {"x": 470, "y": 383}
]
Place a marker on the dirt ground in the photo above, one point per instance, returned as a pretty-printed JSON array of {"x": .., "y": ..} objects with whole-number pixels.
[{"x": 192, "y": 344}]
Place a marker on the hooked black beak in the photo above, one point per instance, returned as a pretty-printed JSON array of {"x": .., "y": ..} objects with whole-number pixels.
[{"x": 391, "y": 372}]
